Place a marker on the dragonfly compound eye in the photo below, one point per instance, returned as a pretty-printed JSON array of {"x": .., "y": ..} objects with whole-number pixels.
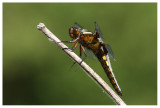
[
  {"x": 71, "y": 32},
  {"x": 74, "y": 32}
]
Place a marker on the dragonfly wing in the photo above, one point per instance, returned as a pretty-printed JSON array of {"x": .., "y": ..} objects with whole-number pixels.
[
  {"x": 110, "y": 52},
  {"x": 90, "y": 54},
  {"x": 97, "y": 29},
  {"x": 81, "y": 28},
  {"x": 76, "y": 24}
]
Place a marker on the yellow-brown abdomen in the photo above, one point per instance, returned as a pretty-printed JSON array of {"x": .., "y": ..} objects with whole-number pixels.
[{"x": 108, "y": 70}]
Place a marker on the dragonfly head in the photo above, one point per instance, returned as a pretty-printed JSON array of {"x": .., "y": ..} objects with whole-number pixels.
[{"x": 74, "y": 32}]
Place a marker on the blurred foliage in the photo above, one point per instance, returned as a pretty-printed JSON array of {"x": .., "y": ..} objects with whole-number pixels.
[{"x": 36, "y": 71}]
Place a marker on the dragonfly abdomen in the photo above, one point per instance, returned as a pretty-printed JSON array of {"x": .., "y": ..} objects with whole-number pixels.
[{"x": 104, "y": 60}]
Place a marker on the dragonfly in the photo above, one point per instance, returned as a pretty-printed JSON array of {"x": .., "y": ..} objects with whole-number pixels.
[{"x": 93, "y": 41}]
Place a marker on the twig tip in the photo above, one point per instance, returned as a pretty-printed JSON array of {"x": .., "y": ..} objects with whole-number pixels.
[{"x": 40, "y": 26}]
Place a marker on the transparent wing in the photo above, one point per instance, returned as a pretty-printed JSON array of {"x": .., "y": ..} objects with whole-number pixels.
[
  {"x": 90, "y": 54},
  {"x": 78, "y": 25},
  {"x": 81, "y": 28},
  {"x": 97, "y": 29},
  {"x": 110, "y": 52}
]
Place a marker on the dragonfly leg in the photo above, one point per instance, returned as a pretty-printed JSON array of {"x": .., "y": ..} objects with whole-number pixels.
[
  {"x": 75, "y": 46},
  {"x": 81, "y": 49},
  {"x": 71, "y": 49},
  {"x": 72, "y": 65},
  {"x": 80, "y": 55},
  {"x": 85, "y": 55},
  {"x": 67, "y": 49},
  {"x": 75, "y": 62},
  {"x": 83, "y": 58},
  {"x": 72, "y": 41}
]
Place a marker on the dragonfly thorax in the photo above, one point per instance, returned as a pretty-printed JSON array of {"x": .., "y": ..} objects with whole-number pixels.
[{"x": 87, "y": 33}]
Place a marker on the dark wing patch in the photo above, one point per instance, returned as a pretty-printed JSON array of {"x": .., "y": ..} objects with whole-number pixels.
[{"x": 97, "y": 29}]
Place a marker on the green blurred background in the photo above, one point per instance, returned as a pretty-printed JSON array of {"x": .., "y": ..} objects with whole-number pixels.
[{"x": 35, "y": 70}]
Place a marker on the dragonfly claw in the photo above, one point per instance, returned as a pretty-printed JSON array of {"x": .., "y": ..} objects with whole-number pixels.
[{"x": 67, "y": 49}]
